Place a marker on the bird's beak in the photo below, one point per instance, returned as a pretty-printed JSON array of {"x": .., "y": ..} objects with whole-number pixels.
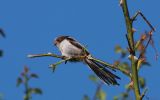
[{"x": 55, "y": 43}]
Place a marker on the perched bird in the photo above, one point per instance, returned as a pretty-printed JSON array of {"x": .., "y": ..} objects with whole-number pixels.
[{"x": 71, "y": 48}]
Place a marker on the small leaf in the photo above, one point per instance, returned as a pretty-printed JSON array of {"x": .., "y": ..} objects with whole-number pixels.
[
  {"x": 2, "y": 33},
  {"x": 36, "y": 91},
  {"x": 118, "y": 49},
  {"x": 125, "y": 65},
  {"x": 146, "y": 64},
  {"x": 26, "y": 97},
  {"x": 142, "y": 82},
  {"x": 1, "y": 96},
  {"x": 101, "y": 95},
  {"x": 34, "y": 75},
  {"x": 123, "y": 54},
  {"x": 128, "y": 86},
  {"x": 115, "y": 98},
  {"x": 93, "y": 78},
  {"x": 19, "y": 81},
  {"x": 1, "y": 53},
  {"x": 125, "y": 95},
  {"x": 26, "y": 69},
  {"x": 86, "y": 97}
]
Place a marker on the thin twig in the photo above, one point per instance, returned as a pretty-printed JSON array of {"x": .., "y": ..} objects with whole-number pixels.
[
  {"x": 44, "y": 55},
  {"x": 144, "y": 18},
  {"x": 144, "y": 93},
  {"x": 144, "y": 50}
]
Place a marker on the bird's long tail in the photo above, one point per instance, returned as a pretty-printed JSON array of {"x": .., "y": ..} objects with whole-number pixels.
[{"x": 101, "y": 71}]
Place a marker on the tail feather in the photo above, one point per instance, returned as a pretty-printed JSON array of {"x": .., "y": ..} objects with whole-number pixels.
[
  {"x": 102, "y": 64},
  {"x": 107, "y": 71},
  {"x": 102, "y": 72}
]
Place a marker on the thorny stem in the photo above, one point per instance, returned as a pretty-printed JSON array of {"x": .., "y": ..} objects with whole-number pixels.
[
  {"x": 130, "y": 37},
  {"x": 128, "y": 25}
]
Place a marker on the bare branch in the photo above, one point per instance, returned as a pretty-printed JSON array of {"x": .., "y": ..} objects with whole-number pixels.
[{"x": 144, "y": 18}]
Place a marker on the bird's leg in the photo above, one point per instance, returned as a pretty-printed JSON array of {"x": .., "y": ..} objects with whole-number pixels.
[{"x": 53, "y": 66}]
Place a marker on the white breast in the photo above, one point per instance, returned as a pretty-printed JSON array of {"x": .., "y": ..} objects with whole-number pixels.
[{"x": 69, "y": 50}]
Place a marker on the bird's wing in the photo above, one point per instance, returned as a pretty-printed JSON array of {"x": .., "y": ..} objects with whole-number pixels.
[{"x": 77, "y": 44}]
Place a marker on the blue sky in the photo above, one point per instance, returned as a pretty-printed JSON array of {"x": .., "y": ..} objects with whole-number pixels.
[{"x": 32, "y": 25}]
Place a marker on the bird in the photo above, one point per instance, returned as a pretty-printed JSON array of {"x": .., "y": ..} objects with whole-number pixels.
[{"x": 71, "y": 48}]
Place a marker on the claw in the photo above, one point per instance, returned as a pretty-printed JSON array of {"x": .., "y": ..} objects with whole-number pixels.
[{"x": 53, "y": 67}]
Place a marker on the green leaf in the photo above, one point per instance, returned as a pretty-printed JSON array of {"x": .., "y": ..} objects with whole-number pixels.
[
  {"x": 33, "y": 75},
  {"x": 86, "y": 97},
  {"x": 2, "y": 33},
  {"x": 36, "y": 91},
  {"x": 118, "y": 49},
  {"x": 1, "y": 53},
  {"x": 1, "y": 96},
  {"x": 115, "y": 98},
  {"x": 123, "y": 52},
  {"x": 146, "y": 64},
  {"x": 26, "y": 97},
  {"x": 127, "y": 87},
  {"x": 93, "y": 78},
  {"x": 26, "y": 69},
  {"x": 125, "y": 65},
  {"x": 19, "y": 81},
  {"x": 125, "y": 95},
  {"x": 142, "y": 82},
  {"x": 101, "y": 95}
]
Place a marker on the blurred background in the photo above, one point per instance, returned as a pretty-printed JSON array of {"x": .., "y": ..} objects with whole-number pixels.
[{"x": 31, "y": 26}]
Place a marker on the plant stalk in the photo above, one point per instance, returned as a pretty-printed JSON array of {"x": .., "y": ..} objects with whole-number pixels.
[{"x": 130, "y": 36}]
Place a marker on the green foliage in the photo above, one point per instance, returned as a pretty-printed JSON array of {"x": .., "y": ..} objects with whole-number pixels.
[
  {"x": 24, "y": 79},
  {"x": 1, "y": 96},
  {"x": 93, "y": 78},
  {"x": 123, "y": 52},
  {"x": 101, "y": 95},
  {"x": 33, "y": 75},
  {"x": 2, "y": 33},
  {"x": 142, "y": 82},
  {"x": 115, "y": 98},
  {"x": 35, "y": 91},
  {"x": 86, "y": 97},
  {"x": 19, "y": 81},
  {"x": 1, "y": 53}
]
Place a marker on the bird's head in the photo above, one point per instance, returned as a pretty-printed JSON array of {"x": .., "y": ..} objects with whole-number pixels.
[{"x": 59, "y": 39}]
